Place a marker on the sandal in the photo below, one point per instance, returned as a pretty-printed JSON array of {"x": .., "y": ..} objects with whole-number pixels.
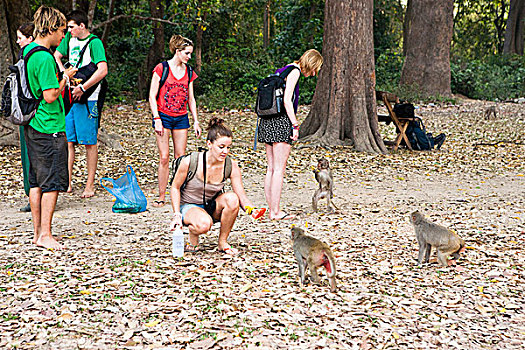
[
  {"x": 188, "y": 247},
  {"x": 229, "y": 251},
  {"x": 286, "y": 216},
  {"x": 158, "y": 204}
]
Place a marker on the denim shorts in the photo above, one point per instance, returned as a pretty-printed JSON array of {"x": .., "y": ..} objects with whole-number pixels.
[
  {"x": 169, "y": 122},
  {"x": 185, "y": 207},
  {"x": 82, "y": 123},
  {"x": 47, "y": 160}
]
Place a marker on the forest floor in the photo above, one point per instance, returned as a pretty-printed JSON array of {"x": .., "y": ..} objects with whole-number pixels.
[{"x": 117, "y": 285}]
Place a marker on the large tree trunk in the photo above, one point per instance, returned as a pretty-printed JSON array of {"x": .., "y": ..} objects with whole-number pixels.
[
  {"x": 515, "y": 28},
  {"x": 91, "y": 12},
  {"x": 427, "y": 62},
  {"x": 156, "y": 51},
  {"x": 344, "y": 107},
  {"x": 199, "y": 38}
]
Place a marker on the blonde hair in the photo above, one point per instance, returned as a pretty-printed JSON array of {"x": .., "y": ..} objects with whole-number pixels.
[
  {"x": 47, "y": 20},
  {"x": 178, "y": 42},
  {"x": 310, "y": 61}
]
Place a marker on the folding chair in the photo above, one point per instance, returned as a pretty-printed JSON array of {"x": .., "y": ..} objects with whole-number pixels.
[{"x": 400, "y": 122}]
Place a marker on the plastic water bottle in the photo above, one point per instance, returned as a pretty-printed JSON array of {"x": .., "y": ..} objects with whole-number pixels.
[{"x": 177, "y": 244}]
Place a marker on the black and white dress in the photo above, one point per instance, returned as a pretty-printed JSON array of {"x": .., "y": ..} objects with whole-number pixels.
[{"x": 278, "y": 129}]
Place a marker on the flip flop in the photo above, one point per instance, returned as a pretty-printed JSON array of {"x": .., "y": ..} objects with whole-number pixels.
[
  {"x": 188, "y": 247},
  {"x": 229, "y": 251},
  {"x": 158, "y": 204},
  {"x": 286, "y": 216}
]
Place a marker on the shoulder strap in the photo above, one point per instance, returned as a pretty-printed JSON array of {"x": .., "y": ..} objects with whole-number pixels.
[
  {"x": 26, "y": 59},
  {"x": 164, "y": 76},
  {"x": 81, "y": 55},
  {"x": 287, "y": 71},
  {"x": 194, "y": 162},
  {"x": 190, "y": 73},
  {"x": 227, "y": 168}
]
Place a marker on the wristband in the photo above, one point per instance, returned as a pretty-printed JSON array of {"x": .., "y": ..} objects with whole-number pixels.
[
  {"x": 177, "y": 214},
  {"x": 81, "y": 87},
  {"x": 156, "y": 118},
  {"x": 295, "y": 126}
]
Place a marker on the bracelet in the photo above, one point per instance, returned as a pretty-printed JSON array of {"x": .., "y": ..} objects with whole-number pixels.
[
  {"x": 156, "y": 118},
  {"x": 81, "y": 87},
  {"x": 295, "y": 126},
  {"x": 177, "y": 214}
]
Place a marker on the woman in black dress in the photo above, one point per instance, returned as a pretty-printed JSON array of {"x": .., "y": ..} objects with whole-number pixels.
[{"x": 279, "y": 132}]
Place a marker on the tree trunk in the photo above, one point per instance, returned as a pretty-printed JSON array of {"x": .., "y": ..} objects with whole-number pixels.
[
  {"x": 156, "y": 51},
  {"x": 344, "y": 107},
  {"x": 91, "y": 12},
  {"x": 199, "y": 41},
  {"x": 107, "y": 27},
  {"x": 266, "y": 26},
  {"x": 515, "y": 28},
  {"x": 427, "y": 62},
  {"x": 13, "y": 13},
  {"x": 406, "y": 26}
]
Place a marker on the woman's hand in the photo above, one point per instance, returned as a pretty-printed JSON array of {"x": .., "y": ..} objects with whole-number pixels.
[
  {"x": 177, "y": 221},
  {"x": 159, "y": 129},
  {"x": 295, "y": 134},
  {"x": 197, "y": 129}
]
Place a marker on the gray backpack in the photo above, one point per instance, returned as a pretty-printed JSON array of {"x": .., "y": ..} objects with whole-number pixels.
[{"x": 19, "y": 104}]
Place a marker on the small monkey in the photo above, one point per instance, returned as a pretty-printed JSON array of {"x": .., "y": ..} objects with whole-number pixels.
[
  {"x": 430, "y": 235},
  {"x": 491, "y": 111},
  {"x": 312, "y": 253},
  {"x": 323, "y": 175}
]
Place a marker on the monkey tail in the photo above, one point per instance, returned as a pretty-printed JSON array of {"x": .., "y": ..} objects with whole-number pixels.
[{"x": 329, "y": 264}]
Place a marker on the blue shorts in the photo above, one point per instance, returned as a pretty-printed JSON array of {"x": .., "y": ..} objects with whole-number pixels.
[
  {"x": 185, "y": 207},
  {"x": 169, "y": 122},
  {"x": 82, "y": 123}
]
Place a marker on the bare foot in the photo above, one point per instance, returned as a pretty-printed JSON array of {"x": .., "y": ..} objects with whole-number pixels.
[
  {"x": 49, "y": 242},
  {"x": 69, "y": 189},
  {"x": 87, "y": 194},
  {"x": 283, "y": 216}
]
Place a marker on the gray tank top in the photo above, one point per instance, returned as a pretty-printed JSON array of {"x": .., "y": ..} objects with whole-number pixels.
[{"x": 192, "y": 193}]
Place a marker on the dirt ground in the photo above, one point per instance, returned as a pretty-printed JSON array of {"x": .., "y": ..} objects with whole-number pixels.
[{"x": 117, "y": 286}]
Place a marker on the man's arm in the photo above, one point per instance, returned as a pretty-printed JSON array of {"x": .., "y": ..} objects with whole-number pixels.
[
  {"x": 58, "y": 58},
  {"x": 100, "y": 73}
]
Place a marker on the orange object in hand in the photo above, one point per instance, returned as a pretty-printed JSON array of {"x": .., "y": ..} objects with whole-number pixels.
[{"x": 258, "y": 213}]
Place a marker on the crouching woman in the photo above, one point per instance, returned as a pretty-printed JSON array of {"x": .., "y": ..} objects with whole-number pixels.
[{"x": 202, "y": 201}]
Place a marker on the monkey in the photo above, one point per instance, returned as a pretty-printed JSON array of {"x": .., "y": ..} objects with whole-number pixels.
[
  {"x": 430, "y": 235},
  {"x": 491, "y": 111},
  {"x": 312, "y": 253},
  {"x": 323, "y": 175}
]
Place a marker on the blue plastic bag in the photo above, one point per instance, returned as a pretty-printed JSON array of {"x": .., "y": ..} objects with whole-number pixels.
[{"x": 130, "y": 198}]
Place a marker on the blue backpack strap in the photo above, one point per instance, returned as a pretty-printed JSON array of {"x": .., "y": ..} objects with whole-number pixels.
[
  {"x": 190, "y": 73},
  {"x": 287, "y": 71},
  {"x": 164, "y": 77}
]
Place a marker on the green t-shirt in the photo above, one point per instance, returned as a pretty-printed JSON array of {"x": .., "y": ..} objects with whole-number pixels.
[
  {"x": 70, "y": 47},
  {"x": 42, "y": 72}
]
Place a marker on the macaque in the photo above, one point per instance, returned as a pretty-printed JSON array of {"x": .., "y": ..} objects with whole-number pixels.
[
  {"x": 312, "y": 253},
  {"x": 490, "y": 111},
  {"x": 323, "y": 175},
  {"x": 430, "y": 235}
]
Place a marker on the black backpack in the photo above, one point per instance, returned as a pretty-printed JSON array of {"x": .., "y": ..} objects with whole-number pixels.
[
  {"x": 270, "y": 94},
  {"x": 418, "y": 136},
  {"x": 19, "y": 104},
  {"x": 166, "y": 72},
  {"x": 194, "y": 162}
]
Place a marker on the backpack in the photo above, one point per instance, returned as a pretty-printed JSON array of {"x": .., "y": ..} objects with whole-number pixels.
[
  {"x": 19, "y": 104},
  {"x": 166, "y": 72},
  {"x": 270, "y": 94},
  {"x": 418, "y": 136},
  {"x": 194, "y": 162},
  {"x": 404, "y": 110}
]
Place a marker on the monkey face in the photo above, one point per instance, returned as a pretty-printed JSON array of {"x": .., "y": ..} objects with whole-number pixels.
[
  {"x": 296, "y": 231},
  {"x": 415, "y": 217},
  {"x": 323, "y": 164}
]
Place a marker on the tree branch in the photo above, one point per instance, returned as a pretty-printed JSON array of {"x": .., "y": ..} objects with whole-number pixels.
[{"x": 117, "y": 17}]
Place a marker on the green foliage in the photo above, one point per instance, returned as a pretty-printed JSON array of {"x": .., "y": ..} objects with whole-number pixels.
[
  {"x": 388, "y": 70},
  {"x": 388, "y": 26},
  {"x": 494, "y": 78}
]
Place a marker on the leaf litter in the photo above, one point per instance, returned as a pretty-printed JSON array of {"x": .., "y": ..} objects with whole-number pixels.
[{"x": 117, "y": 286}]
